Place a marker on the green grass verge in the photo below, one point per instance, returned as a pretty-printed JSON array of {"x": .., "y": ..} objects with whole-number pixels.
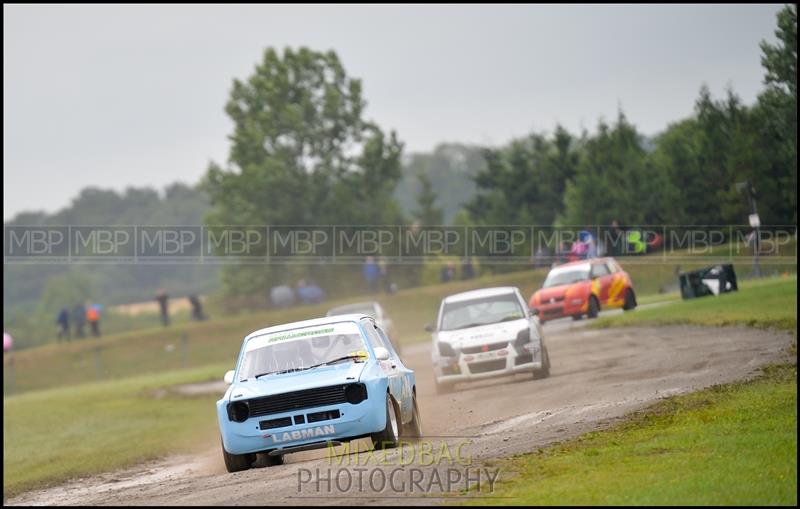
[
  {"x": 53, "y": 435},
  {"x": 734, "y": 444},
  {"x": 763, "y": 303}
]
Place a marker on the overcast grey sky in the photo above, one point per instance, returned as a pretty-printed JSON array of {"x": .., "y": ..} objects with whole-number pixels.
[{"x": 114, "y": 96}]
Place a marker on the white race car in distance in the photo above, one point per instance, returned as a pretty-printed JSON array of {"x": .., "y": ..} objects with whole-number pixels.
[
  {"x": 373, "y": 309},
  {"x": 486, "y": 333}
]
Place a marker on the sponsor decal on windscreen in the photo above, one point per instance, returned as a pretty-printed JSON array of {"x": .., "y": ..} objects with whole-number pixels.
[{"x": 335, "y": 329}]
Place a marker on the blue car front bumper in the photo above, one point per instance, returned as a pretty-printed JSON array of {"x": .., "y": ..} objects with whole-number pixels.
[{"x": 339, "y": 422}]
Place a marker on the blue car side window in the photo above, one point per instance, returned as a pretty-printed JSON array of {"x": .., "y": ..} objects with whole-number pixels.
[
  {"x": 387, "y": 342},
  {"x": 372, "y": 335}
]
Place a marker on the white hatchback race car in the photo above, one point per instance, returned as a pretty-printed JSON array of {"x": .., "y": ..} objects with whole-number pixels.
[{"x": 486, "y": 333}]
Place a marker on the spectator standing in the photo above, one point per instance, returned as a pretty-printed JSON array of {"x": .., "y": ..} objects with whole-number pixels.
[
  {"x": 163, "y": 303},
  {"x": 79, "y": 319},
  {"x": 591, "y": 248},
  {"x": 448, "y": 271},
  {"x": 63, "y": 324},
  {"x": 634, "y": 243},
  {"x": 93, "y": 317},
  {"x": 589, "y": 243},
  {"x": 8, "y": 342},
  {"x": 617, "y": 239},
  {"x": 578, "y": 251},
  {"x": 467, "y": 270},
  {"x": 197, "y": 308},
  {"x": 371, "y": 273}
]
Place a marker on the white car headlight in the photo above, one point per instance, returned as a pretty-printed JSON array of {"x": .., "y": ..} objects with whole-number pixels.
[
  {"x": 446, "y": 349},
  {"x": 446, "y": 361}
]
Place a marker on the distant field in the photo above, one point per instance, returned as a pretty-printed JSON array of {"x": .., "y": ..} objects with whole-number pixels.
[
  {"x": 188, "y": 344},
  {"x": 193, "y": 344},
  {"x": 152, "y": 307}
]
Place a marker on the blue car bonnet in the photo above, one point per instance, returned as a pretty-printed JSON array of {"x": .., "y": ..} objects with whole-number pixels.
[{"x": 340, "y": 373}]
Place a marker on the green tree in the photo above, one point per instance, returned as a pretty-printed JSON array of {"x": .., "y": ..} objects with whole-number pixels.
[
  {"x": 615, "y": 180},
  {"x": 451, "y": 168},
  {"x": 299, "y": 138},
  {"x": 725, "y": 142},
  {"x": 678, "y": 155},
  {"x": 427, "y": 212},
  {"x": 301, "y": 154},
  {"x": 523, "y": 183},
  {"x": 778, "y": 112},
  {"x": 780, "y": 60}
]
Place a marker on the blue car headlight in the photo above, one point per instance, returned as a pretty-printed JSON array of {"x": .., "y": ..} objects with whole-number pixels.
[
  {"x": 355, "y": 393},
  {"x": 238, "y": 411}
]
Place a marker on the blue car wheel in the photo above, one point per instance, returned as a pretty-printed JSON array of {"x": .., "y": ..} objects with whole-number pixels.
[
  {"x": 237, "y": 462},
  {"x": 263, "y": 459},
  {"x": 389, "y": 436},
  {"x": 415, "y": 425}
]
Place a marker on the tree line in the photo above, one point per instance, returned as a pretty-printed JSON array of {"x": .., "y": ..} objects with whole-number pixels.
[
  {"x": 303, "y": 153},
  {"x": 687, "y": 176}
]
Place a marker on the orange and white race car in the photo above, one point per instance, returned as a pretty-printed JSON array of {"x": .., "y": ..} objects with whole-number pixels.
[{"x": 581, "y": 288}]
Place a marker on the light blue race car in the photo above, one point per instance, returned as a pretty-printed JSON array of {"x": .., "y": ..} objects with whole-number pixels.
[{"x": 306, "y": 385}]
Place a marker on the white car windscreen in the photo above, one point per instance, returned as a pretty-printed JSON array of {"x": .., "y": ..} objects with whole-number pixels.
[{"x": 483, "y": 311}]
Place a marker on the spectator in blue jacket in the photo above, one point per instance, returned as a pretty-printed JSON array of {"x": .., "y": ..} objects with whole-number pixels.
[
  {"x": 63, "y": 324},
  {"x": 371, "y": 273}
]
